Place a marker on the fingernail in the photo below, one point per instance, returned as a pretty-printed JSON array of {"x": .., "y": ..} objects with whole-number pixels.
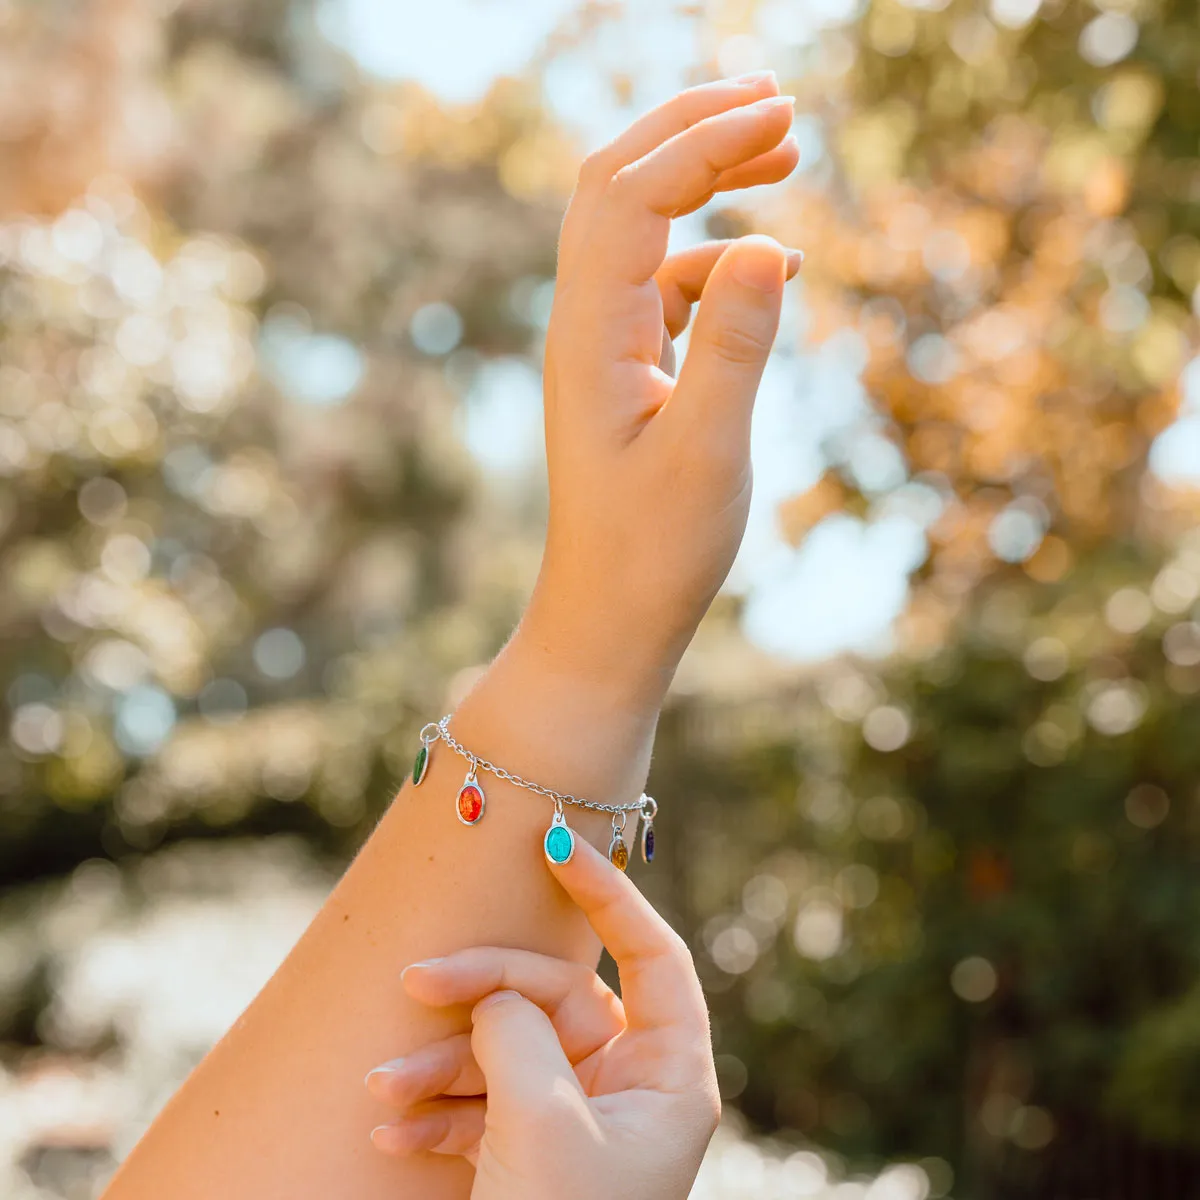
[
  {"x": 794, "y": 259},
  {"x": 754, "y": 77},
  {"x": 425, "y": 962},
  {"x": 386, "y": 1071},
  {"x": 495, "y": 998},
  {"x": 389, "y": 1139},
  {"x": 410, "y": 1134},
  {"x": 771, "y": 103},
  {"x": 756, "y": 264}
]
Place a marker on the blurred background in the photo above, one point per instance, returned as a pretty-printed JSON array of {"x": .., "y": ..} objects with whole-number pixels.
[{"x": 274, "y": 279}]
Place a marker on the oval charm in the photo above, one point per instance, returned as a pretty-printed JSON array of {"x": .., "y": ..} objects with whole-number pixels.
[
  {"x": 559, "y": 842},
  {"x": 647, "y": 841},
  {"x": 420, "y": 765},
  {"x": 470, "y": 802},
  {"x": 618, "y": 853}
]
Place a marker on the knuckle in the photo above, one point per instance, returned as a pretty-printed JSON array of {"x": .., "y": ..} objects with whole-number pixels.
[
  {"x": 485, "y": 964},
  {"x": 740, "y": 346},
  {"x": 582, "y": 978},
  {"x": 712, "y": 1099},
  {"x": 596, "y": 168},
  {"x": 681, "y": 952},
  {"x": 622, "y": 181},
  {"x": 694, "y": 104}
]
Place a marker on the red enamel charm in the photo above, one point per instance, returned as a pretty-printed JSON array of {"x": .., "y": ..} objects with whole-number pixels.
[{"x": 470, "y": 803}]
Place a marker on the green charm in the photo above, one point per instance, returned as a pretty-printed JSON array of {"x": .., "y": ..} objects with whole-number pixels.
[
  {"x": 420, "y": 766},
  {"x": 559, "y": 842}
]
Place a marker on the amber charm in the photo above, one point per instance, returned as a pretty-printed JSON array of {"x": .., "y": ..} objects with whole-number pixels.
[{"x": 618, "y": 852}]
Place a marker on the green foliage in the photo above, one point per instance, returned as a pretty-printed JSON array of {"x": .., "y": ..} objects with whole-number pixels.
[
  {"x": 952, "y": 902},
  {"x": 218, "y": 427}
]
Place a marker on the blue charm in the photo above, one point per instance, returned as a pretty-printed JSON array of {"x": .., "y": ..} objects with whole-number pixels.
[{"x": 559, "y": 842}]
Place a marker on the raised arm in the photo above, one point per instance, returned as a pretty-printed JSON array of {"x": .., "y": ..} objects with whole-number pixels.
[{"x": 649, "y": 492}]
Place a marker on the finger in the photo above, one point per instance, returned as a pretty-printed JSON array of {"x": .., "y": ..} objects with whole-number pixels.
[
  {"x": 443, "y": 1068},
  {"x": 628, "y": 238},
  {"x": 681, "y": 112},
  {"x": 682, "y": 277},
  {"x": 442, "y": 1126},
  {"x": 582, "y": 1008},
  {"x": 659, "y": 986},
  {"x": 692, "y": 163},
  {"x": 735, "y": 329},
  {"x": 772, "y": 167},
  {"x": 647, "y": 132},
  {"x": 520, "y": 1056}
]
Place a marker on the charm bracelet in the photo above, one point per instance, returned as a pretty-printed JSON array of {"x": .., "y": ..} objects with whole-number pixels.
[{"x": 559, "y": 840}]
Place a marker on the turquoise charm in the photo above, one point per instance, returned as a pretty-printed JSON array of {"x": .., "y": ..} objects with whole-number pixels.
[{"x": 559, "y": 842}]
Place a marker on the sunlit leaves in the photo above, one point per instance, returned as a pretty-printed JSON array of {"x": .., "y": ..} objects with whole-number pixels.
[{"x": 1014, "y": 188}]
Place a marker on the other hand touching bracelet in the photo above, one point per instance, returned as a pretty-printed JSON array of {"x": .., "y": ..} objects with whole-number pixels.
[{"x": 559, "y": 842}]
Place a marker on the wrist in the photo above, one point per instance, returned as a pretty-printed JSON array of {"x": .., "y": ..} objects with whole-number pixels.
[
  {"x": 548, "y": 717},
  {"x": 605, "y": 659}
]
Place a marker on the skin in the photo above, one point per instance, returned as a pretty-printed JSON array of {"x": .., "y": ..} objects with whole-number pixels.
[
  {"x": 649, "y": 491},
  {"x": 579, "y": 1085}
]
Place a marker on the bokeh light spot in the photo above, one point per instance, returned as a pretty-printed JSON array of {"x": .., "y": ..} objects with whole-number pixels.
[
  {"x": 145, "y": 716},
  {"x": 279, "y": 653},
  {"x": 974, "y": 979},
  {"x": 436, "y": 328}
]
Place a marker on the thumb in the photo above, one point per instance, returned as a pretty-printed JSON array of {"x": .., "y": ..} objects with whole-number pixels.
[
  {"x": 519, "y": 1054},
  {"x": 734, "y": 331}
]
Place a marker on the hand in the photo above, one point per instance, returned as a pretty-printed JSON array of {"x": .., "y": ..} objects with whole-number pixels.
[
  {"x": 561, "y": 1089},
  {"x": 650, "y": 478}
]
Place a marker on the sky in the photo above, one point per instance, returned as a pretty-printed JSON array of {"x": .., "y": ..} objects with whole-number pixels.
[{"x": 842, "y": 588}]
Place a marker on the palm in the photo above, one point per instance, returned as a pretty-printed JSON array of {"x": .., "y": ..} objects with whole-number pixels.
[{"x": 618, "y": 1066}]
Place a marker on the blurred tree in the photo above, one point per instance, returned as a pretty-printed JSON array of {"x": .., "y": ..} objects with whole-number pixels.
[
  {"x": 989, "y": 844},
  {"x": 243, "y": 546},
  {"x": 1009, "y": 221},
  {"x": 947, "y": 905}
]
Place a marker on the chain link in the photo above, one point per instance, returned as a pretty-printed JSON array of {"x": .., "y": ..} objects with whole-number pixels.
[{"x": 559, "y": 798}]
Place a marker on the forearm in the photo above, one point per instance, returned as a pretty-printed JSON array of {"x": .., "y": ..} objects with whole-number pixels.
[
  {"x": 278, "y": 1107},
  {"x": 649, "y": 491}
]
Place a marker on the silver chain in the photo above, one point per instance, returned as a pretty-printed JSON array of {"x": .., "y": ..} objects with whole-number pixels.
[{"x": 644, "y": 804}]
